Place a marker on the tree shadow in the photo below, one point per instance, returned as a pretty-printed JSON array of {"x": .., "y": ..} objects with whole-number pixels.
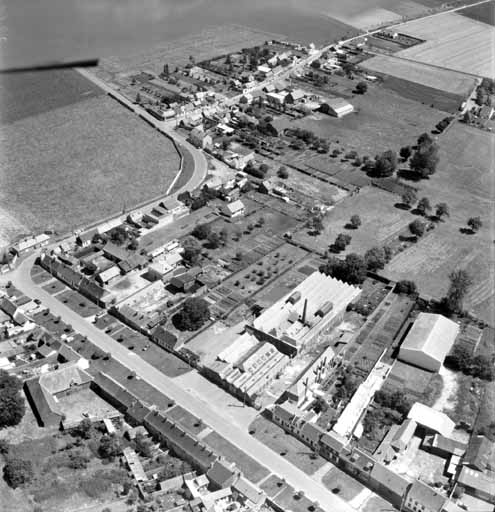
[
  {"x": 407, "y": 174},
  {"x": 467, "y": 231},
  {"x": 350, "y": 226},
  {"x": 402, "y": 206},
  {"x": 408, "y": 238}
]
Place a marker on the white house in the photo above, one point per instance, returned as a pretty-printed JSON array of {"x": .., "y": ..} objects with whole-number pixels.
[
  {"x": 234, "y": 209},
  {"x": 429, "y": 341},
  {"x": 431, "y": 419}
]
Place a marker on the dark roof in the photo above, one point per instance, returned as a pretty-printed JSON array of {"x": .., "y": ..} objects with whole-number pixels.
[
  {"x": 427, "y": 496},
  {"x": 8, "y": 306},
  {"x": 162, "y": 336},
  {"x": 312, "y": 432},
  {"x": 221, "y": 473},
  {"x": 196, "y": 450},
  {"x": 115, "y": 251},
  {"x": 87, "y": 236},
  {"x": 389, "y": 479},
  {"x": 132, "y": 262},
  {"x": 44, "y": 407},
  {"x": 480, "y": 453},
  {"x": 110, "y": 387},
  {"x": 332, "y": 442},
  {"x": 91, "y": 288}
]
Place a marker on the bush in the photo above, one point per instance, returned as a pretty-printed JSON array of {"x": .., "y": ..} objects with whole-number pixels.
[
  {"x": 12, "y": 407},
  {"x": 406, "y": 287},
  {"x": 18, "y": 472},
  {"x": 193, "y": 315},
  {"x": 283, "y": 172}
]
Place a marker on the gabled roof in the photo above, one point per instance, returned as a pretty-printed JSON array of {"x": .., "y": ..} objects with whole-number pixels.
[
  {"x": 433, "y": 334},
  {"x": 312, "y": 432},
  {"x": 221, "y": 473},
  {"x": 404, "y": 434},
  {"x": 115, "y": 251},
  {"x": 480, "y": 453},
  {"x": 338, "y": 104},
  {"x": 389, "y": 479},
  {"x": 427, "y": 496},
  {"x": 249, "y": 491},
  {"x": 234, "y": 206},
  {"x": 432, "y": 419},
  {"x": 64, "y": 378}
]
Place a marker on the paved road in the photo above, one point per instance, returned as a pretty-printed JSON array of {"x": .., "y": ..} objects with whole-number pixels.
[{"x": 224, "y": 422}]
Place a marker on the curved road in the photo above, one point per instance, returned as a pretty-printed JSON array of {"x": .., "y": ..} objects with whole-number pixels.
[{"x": 222, "y": 422}]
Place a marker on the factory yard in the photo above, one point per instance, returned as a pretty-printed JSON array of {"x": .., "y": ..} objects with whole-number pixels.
[{"x": 453, "y": 42}]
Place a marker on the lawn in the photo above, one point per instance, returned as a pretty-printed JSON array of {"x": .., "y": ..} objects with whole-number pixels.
[
  {"x": 40, "y": 275},
  {"x": 85, "y": 151},
  {"x": 293, "y": 450},
  {"x": 273, "y": 486},
  {"x": 342, "y": 484},
  {"x": 251, "y": 469},
  {"x": 381, "y": 221},
  {"x": 54, "y": 287},
  {"x": 187, "y": 420},
  {"x": 382, "y": 120},
  {"x": 466, "y": 182}
]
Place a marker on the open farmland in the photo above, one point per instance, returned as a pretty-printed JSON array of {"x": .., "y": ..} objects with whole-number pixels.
[
  {"x": 62, "y": 168},
  {"x": 380, "y": 221},
  {"x": 453, "y": 42},
  {"x": 465, "y": 180},
  {"x": 482, "y": 12},
  {"x": 442, "y": 81}
]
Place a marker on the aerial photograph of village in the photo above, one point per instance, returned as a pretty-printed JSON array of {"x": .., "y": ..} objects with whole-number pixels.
[{"x": 247, "y": 256}]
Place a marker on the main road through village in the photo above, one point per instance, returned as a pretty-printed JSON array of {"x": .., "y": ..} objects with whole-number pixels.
[{"x": 222, "y": 413}]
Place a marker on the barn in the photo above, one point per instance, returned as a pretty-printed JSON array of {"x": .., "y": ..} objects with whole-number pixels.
[
  {"x": 339, "y": 107},
  {"x": 429, "y": 341}
]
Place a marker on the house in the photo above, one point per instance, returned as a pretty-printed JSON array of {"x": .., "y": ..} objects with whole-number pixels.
[
  {"x": 108, "y": 275},
  {"x": 443, "y": 446},
  {"x": 85, "y": 239},
  {"x": 429, "y": 341},
  {"x": 389, "y": 484},
  {"x": 276, "y": 98},
  {"x": 11, "y": 309},
  {"x": 339, "y": 107},
  {"x": 180, "y": 442},
  {"x": 403, "y": 436},
  {"x": 184, "y": 282},
  {"x": 44, "y": 392},
  {"x": 165, "y": 339},
  {"x": 478, "y": 484},
  {"x": 199, "y": 138},
  {"x": 114, "y": 252},
  {"x": 134, "y": 464},
  {"x": 310, "y": 434},
  {"x": 264, "y": 71},
  {"x": 248, "y": 494},
  {"x": 33, "y": 242},
  {"x": 295, "y": 96},
  {"x": 238, "y": 156},
  {"x": 222, "y": 474},
  {"x": 174, "y": 206},
  {"x": 332, "y": 445},
  {"x": 422, "y": 498},
  {"x": 431, "y": 420},
  {"x": 480, "y": 454},
  {"x": 233, "y": 209}
]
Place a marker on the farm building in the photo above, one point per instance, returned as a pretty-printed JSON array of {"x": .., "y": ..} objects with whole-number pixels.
[
  {"x": 429, "y": 341},
  {"x": 431, "y": 420},
  {"x": 478, "y": 484},
  {"x": 339, "y": 107},
  {"x": 300, "y": 315}
]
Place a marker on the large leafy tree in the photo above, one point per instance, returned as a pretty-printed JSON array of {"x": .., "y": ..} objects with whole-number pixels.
[
  {"x": 193, "y": 315},
  {"x": 12, "y": 407},
  {"x": 460, "y": 281}
]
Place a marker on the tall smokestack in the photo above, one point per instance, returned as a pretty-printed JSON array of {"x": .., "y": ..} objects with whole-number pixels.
[{"x": 304, "y": 311}]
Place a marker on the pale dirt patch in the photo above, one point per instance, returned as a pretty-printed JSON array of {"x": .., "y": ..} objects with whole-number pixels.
[{"x": 447, "y": 399}]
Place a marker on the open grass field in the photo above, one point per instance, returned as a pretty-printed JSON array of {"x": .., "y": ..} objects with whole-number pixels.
[
  {"x": 465, "y": 180},
  {"x": 382, "y": 119},
  {"x": 381, "y": 220},
  {"x": 62, "y": 168},
  {"x": 342, "y": 484},
  {"x": 483, "y": 12},
  {"x": 279, "y": 441},
  {"x": 451, "y": 82},
  {"x": 453, "y": 42}
]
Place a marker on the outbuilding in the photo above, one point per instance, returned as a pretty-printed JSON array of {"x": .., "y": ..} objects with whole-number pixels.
[{"x": 429, "y": 341}]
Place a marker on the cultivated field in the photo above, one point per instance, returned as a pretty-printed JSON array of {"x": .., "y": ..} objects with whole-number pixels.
[
  {"x": 62, "y": 168},
  {"x": 203, "y": 45},
  {"x": 380, "y": 221},
  {"x": 452, "y": 41},
  {"x": 483, "y": 12},
  {"x": 465, "y": 180},
  {"x": 442, "y": 79}
]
